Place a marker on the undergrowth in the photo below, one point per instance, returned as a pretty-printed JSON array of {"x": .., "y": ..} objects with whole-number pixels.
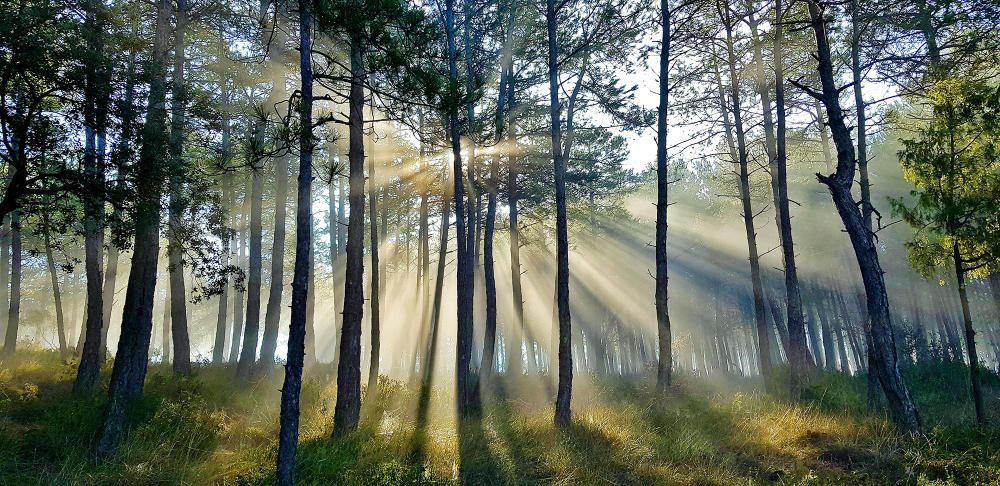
[{"x": 211, "y": 428}]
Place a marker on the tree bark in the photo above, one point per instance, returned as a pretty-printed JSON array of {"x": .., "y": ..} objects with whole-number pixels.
[
  {"x": 54, "y": 280},
  {"x": 764, "y": 348},
  {"x": 665, "y": 363},
  {"x": 272, "y": 314},
  {"x": 288, "y": 435},
  {"x": 345, "y": 418},
  {"x": 376, "y": 276},
  {"x": 970, "y": 337},
  {"x": 129, "y": 372},
  {"x": 901, "y": 405},
  {"x": 248, "y": 353},
  {"x": 178, "y": 294},
  {"x": 565, "y": 389}
]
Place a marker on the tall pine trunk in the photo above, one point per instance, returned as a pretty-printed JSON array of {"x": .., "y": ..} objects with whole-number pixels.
[
  {"x": 272, "y": 314},
  {"x": 288, "y": 436},
  {"x": 665, "y": 364},
  {"x": 129, "y": 372},
  {"x": 565, "y": 388},
  {"x": 345, "y": 417},
  {"x": 50, "y": 263},
  {"x": 970, "y": 337},
  {"x": 248, "y": 353},
  {"x": 376, "y": 276},
  {"x": 178, "y": 294}
]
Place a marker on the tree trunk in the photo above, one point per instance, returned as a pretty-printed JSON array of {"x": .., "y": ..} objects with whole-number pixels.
[
  {"x": 272, "y": 314},
  {"x": 465, "y": 276},
  {"x": 288, "y": 436},
  {"x": 345, "y": 418},
  {"x": 798, "y": 355},
  {"x": 234, "y": 345},
  {"x": 901, "y": 406},
  {"x": 95, "y": 109},
  {"x": 248, "y": 353},
  {"x": 663, "y": 368},
  {"x": 376, "y": 276},
  {"x": 970, "y": 337},
  {"x": 129, "y": 372},
  {"x": 219, "y": 348},
  {"x": 56, "y": 296},
  {"x": 165, "y": 327},
  {"x": 5, "y": 243},
  {"x": 764, "y": 348},
  {"x": 565, "y": 390},
  {"x": 14, "y": 310},
  {"x": 178, "y": 294}
]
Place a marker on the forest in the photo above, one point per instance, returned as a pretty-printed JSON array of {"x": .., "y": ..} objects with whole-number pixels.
[{"x": 385, "y": 242}]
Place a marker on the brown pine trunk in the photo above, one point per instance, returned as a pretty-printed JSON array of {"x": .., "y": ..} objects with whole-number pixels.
[
  {"x": 345, "y": 418},
  {"x": 565, "y": 389},
  {"x": 970, "y": 337},
  {"x": 178, "y": 294},
  {"x": 665, "y": 363},
  {"x": 56, "y": 295},
  {"x": 376, "y": 276},
  {"x": 248, "y": 353},
  {"x": 272, "y": 314},
  {"x": 288, "y": 435},
  {"x": 129, "y": 372}
]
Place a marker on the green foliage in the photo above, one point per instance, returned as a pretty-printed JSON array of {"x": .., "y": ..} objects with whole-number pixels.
[{"x": 954, "y": 165}]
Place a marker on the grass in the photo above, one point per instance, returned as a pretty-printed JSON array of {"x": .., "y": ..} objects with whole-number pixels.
[{"x": 209, "y": 429}]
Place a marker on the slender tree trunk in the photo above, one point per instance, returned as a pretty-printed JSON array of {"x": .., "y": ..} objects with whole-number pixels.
[
  {"x": 219, "y": 348},
  {"x": 565, "y": 390},
  {"x": 376, "y": 276},
  {"x": 129, "y": 372},
  {"x": 14, "y": 310},
  {"x": 5, "y": 244},
  {"x": 272, "y": 314},
  {"x": 56, "y": 295},
  {"x": 665, "y": 364},
  {"x": 798, "y": 355},
  {"x": 764, "y": 348},
  {"x": 288, "y": 435},
  {"x": 345, "y": 418},
  {"x": 165, "y": 327},
  {"x": 238, "y": 308},
  {"x": 901, "y": 405},
  {"x": 248, "y": 353},
  {"x": 970, "y": 337}
]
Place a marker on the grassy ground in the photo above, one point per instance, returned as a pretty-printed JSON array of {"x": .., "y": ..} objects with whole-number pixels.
[{"x": 207, "y": 429}]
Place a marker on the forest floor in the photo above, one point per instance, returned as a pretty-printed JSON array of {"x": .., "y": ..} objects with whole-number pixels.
[{"x": 212, "y": 429}]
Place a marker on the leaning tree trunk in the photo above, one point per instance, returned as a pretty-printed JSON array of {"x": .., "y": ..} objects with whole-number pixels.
[
  {"x": 288, "y": 436},
  {"x": 56, "y": 295},
  {"x": 901, "y": 405},
  {"x": 129, "y": 372},
  {"x": 248, "y": 354},
  {"x": 665, "y": 363},
  {"x": 348, "y": 407}
]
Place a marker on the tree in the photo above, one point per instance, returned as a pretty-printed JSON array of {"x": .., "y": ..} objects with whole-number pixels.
[
  {"x": 901, "y": 406},
  {"x": 953, "y": 163},
  {"x": 288, "y": 435},
  {"x": 129, "y": 373}
]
